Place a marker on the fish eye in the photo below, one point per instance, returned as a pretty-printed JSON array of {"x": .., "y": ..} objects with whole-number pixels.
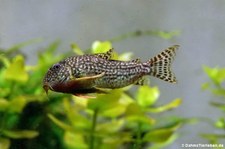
[{"x": 56, "y": 66}]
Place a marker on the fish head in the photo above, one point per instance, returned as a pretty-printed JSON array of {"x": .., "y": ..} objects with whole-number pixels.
[{"x": 56, "y": 74}]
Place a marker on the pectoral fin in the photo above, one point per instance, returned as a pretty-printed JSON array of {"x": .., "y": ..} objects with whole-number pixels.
[
  {"x": 85, "y": 82},
  {"x": 77, "y": 85},
  {"x": 88, "y": 78}
]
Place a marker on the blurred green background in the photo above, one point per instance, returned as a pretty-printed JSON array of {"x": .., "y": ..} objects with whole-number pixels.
[{"x": 136, "y": 117}]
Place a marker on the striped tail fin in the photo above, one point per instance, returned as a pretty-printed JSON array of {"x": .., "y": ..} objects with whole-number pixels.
[{"x": 160, "y": 65}]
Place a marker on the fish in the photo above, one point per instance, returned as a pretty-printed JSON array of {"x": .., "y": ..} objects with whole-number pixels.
[{"x": 96, "y": 73}]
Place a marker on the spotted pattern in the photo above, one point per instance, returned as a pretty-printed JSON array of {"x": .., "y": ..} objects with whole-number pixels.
[
  {"x": 117, "y": 73},
  {"x": 160, "y": 65}
]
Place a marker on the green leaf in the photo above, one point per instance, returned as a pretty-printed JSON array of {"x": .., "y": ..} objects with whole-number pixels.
[
  {"x": 74, "y": 116},
  {"x": 76, "y": 49},
  {"x": 60, "y": 123},
  {"x": 158, "y": 135},
  {"x": 205, "y": 86},
  {"x": 106, "y": 101},
  {"x": 119, "y": 107},
  {"x": 163, "y": 134},
  {"x": 3, "y": 104},
  {"x": 220, "y": 123},
  {"x": 5, "y": 91},
  {"x": 125, "y": 99},
  {"x": 134, "y": 109},
  {"x": 110, "y": 127},
  {"x": 164, "y": 144},
  {"x": 147, "y": 96},
  {"x": 135, "y": 114},
  {"x": 218, "y": 105},
  {"x": 173, "y": 104},
  {"x": 219, "y": 91},
  {"x": 168, "y": 35},
  {"x": 75, "y": 140},
  {"x": 142, "y": 119},
  {"x": 17, "y": 104},
  {"x": 217, "y": 75},
  {"x": 101, "y": 47},
  {"x": 81, "y": 102},
  {"x": 4, "y": 60},
  {"x": 5, "y": 85},
  {"x": 16, "y": 70},
  {"x": 19, "y": 134},
  {"x": 213, "y": 138},
  {"x": 114, "y": 141},
  {"x": 4, "y": 143},
  {"x": 125, "y": 56},
  {"x": 114, "y": 111},
  {"x": 140, "y": 33}
]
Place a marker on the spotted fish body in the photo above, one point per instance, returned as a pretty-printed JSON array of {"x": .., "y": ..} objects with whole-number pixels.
[{"x": 91, "y": 73}]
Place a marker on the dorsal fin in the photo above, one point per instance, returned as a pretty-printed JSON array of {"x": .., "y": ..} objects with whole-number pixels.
[{"x": 108, "y": 55}]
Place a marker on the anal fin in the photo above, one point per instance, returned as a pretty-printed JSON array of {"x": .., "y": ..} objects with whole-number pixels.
[
  {"x": 142, "y": 81},
  {"x": 84, "y": 92}
]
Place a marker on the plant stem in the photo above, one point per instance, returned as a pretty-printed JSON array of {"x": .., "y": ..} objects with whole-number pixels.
[
  {"x": 92, "y": 133},
  {"x": 137, "y": 143},
  {"x": 139, "y": 33}
]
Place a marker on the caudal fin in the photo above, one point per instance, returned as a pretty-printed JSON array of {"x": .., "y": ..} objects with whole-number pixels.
[{"x": 160, "y": 65}]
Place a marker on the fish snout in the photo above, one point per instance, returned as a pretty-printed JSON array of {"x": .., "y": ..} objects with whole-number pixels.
[{"x": 46, "y": 87}]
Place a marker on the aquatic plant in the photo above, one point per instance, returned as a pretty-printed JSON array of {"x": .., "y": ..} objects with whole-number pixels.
[
  {"x": 31, "y": 119},
  {"x": 216, "y": 86}
]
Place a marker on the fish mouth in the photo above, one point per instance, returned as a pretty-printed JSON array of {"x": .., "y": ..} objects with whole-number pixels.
[{"x": 46, "y": 87}]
